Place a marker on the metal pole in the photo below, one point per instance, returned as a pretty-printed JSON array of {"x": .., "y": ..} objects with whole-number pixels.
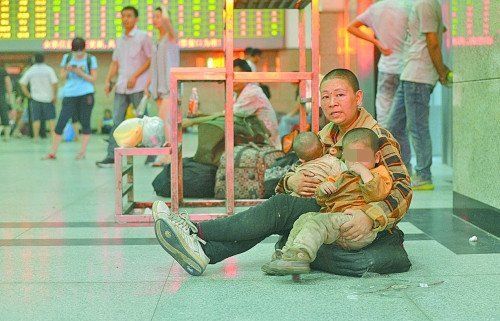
[
  {"x": 315, "y": 64},
  {"x": 175, "y": 158},
  {"x": 302, "y": 68},
  {"x": 229, "y": 141}
]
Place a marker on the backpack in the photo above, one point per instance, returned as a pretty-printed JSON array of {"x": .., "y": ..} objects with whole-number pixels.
[
  {"x": 250, "y": 164},
  {"x": 69, "y": 56},
  {"x": 198, "y": 180},
  {"x": 211, "y": 137}
]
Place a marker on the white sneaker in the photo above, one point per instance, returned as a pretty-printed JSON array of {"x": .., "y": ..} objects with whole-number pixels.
[
  {"x": 174, "y": 235},
  {"x": 160, "y": 210}
]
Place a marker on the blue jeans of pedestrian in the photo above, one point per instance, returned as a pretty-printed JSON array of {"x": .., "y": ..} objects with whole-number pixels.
[
  {"x": 120, "y": 105},
  {"x": 387, "y": 84},
  {"x": 410, "y": 114},
  {"x": 287, "y": 122}
]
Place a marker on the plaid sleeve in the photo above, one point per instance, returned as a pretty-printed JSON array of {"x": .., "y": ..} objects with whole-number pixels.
[
  {"x": 392, "y": 209},
  {"x": 282, "y": 187}
]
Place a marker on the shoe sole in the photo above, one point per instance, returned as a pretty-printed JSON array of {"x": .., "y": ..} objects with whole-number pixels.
[
  {"x": 105, "y": 165},
  {"x": 424, "y": 187},
  {"x": 176, "y": 248},
  {"x": 285, "y": 270}
]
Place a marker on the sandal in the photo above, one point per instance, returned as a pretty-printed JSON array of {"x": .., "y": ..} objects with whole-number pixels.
[
  {"x": 80, "y": 156},
  {"x": 49, "y": 156}
]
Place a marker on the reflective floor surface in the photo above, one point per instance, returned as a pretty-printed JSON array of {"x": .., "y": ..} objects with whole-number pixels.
[{"x": 62, "y": 257}]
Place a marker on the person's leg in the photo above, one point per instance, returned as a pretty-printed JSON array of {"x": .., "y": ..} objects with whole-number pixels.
[
  {"x": 417, "y": 98},
  {"x": 274, "y": 216},
  {"x": 36, "y": 130},
  {"x": 67, "y": 110},
  {"x": 36, "y": 116},
  {"x": 163, "y": 105},
  {"x": 387, "y": 84},
  {"x": 119, "y": 109},
  {"x": 50, "y": 115},
  {"x": 397, "y": 125},
  {"x": 226, "y": 237},
  {"x": 286, "y": 124},
  {"x": 86, "y": 103},
  {"x": 384, "y": 255}
]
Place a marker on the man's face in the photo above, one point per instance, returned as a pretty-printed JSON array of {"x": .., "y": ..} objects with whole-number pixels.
[
  {"x": 339, "y": 101},
  {"x": 238, "y": 86},
  {"x": 129, "y": 20},
  {"x": 255, "y": 59},
  {"x": 157, "y": 19}
]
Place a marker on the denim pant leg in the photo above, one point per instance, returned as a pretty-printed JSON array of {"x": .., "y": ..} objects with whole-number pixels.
[
  {"x": 387, "y": 84},
  {"x": 397, "y": 125},
  {"x": 286, "y": 124},
  {"x": 120, "y": 105},
  {"x": 417, "y": 96}
]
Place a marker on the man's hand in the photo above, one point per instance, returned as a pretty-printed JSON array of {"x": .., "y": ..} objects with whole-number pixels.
[
  {"x": 443, "y": 75},
  {"x": 327, "y": 188},
  {"x": 304, "y": 183},
  {"x": 358, "y": 227},
  {"x": 107, "y": 87},
  {"x": 384, "y": 50},
  {"x": 131, "y": 82},
  {"x": 147, "y": 94}
]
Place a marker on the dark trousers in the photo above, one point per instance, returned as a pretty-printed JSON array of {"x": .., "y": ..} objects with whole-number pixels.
[
  {"x": 80, "y": 105},
  {"x": 238, "y": 233}
]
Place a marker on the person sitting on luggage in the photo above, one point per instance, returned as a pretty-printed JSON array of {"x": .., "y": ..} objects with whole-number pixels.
[
  {"x": 251, "y": 100},
  {"x": 309, "y": 150},
  {"x": 366, "y": 181}
]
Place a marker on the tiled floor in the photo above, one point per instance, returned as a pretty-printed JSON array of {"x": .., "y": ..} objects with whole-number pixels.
[{"x": 62, "y": 257}]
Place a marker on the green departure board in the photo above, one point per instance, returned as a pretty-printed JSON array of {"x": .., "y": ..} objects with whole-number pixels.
[{"x": 199, "y": 23}]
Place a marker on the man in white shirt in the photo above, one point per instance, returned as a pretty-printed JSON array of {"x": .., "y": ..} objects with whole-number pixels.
[
  {"x": 422, "y": 69},
  {"x": 42, "y": 93},
  {"x": 251, "y": 100},
  {"x": 389, "y": 21},
  {"x": 130, "y": 61}
]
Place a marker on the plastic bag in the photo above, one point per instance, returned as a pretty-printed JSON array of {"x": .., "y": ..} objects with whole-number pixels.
[
  {"x": 68, "y": 133},
  {"x": 129, "y": 132},
  {"x": 153, "y": 132}
]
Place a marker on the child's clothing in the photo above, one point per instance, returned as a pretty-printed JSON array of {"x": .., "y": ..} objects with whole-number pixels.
[
  {"x": 107, "y": 125},
  {"x": 313, "y": 229},
  {"x": 324, "y": 166}
]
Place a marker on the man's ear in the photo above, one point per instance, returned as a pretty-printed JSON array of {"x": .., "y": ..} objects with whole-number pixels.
[
  {"x": 359, "y": 98},
  {"x": 378, "y": 157}
]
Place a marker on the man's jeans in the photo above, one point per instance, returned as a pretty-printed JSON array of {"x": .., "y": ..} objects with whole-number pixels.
[
  {"x": 387, "y": 84},
  {"x": 120, "y": 105},
  {"x": 410, "y": 112},
  {"x": 240, "y": 232},
  {"x": 287, "y": 122}
]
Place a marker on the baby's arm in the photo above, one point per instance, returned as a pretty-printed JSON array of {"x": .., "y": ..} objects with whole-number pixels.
[
  {"x": 362, "y": 171},
  {"x": 378, "y": 188}
]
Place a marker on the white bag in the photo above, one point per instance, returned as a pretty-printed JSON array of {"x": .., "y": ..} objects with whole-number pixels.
[
  {"x": 153, "y": 132},
  {"x": 129, "y": 132}
]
